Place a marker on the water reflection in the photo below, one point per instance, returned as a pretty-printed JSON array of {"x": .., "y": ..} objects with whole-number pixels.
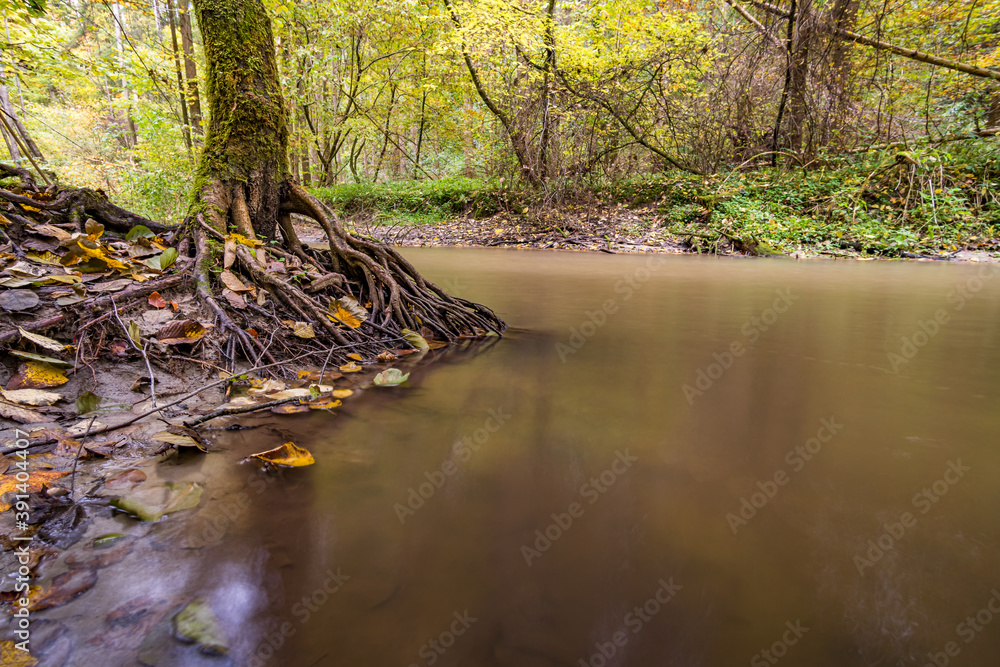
[{"x": 537, "y": 506}]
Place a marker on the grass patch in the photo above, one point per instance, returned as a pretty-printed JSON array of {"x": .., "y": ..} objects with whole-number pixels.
[{"x": 418, "y": 201}]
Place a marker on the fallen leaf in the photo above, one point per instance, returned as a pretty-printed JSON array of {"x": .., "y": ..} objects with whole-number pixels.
[
  {"x": 342, "y": 393},
  {"x": 133, "y": 333},
  {"x": 43, "y": 341},
  {"x": 415, "y": 339},
  {"x": 139, "y": 231},
  {"x": 287, "y": 454},
  {"x": 127, "y": 479},
  {"x": 197, "y": 624},
  {"x": 87, "y": 402},
  {"x": 288, "y": 393},
  {"x": 164, "y": 260},
  {"x": 351, "y": 367},
  {"x": 324, "y": 403},
  {"x": 35, "y": 375},
  {"x": 181, "y": 436},
  {"x": 64, "y": 588},
  {"x": 157, "y": 301},
  {"x": 340, "y": 314},
  {"x": 181, "y": 331},
  {"x": 386, "y": 356},
  {"x": 18, "y": 299},
  {"x": 36, "y": 480},
  {"x": 355, "y": 356},
  {"x": 313, "y": 376},
  {"x": 69, "y": 300},
  {"x": 113, "y": 286},
  {"x": 94, "y": 229},
  {"x": 4, "y": 464},
  {"x": 19, "y": 413},
  {"x": 35, "y": 357},
  {"x": 303, "y": 330},
  {"x": 289, "y": 408},
  {"x": 152, "y": 504},
  {"x": 235, "y": 300},
  {"x": 390, "y": 378},
  {"x": 11, "y": 656},
  {"x": 31, "y": 396},
  {"x": 230, "y": 280}
]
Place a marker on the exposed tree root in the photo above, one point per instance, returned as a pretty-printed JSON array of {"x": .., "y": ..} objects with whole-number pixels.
[{"x": 248, "y": 276}]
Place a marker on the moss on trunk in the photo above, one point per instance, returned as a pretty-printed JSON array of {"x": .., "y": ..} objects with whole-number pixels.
[{"x": 247, "y": 138}]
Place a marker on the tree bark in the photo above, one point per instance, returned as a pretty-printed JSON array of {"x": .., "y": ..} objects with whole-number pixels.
[
  {"x": 190, "y": 68},
  {"x": 244, "y": 161}
]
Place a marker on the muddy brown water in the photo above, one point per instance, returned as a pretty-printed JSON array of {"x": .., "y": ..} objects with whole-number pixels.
[{"x": 669, "y": 460}]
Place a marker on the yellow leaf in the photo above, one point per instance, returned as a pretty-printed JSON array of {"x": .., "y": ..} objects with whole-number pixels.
[
  {"x": 37, "y": 375},
  {"x": 350, "y": 367},
  {"x": 287, "y": 455},
  {"x": 31, "y": 396},
  {"x": 355, "y": 356},
  {"x": 43, "y": 341},
  {"x": 242, "y": 240},
  {"x": 11, "y": 656},
  {"x": 303, "y": 330},
  {"x": 342, "y": 393},
  {"x": 36, "y": 479},
  {"x": 348, "y": 311}
]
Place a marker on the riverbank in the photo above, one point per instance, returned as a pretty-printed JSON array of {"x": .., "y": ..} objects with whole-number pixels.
[{"x": 931, "y": 202}]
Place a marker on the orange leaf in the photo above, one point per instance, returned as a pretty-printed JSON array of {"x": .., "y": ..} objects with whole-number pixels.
[{"x": 157, "y": 301}]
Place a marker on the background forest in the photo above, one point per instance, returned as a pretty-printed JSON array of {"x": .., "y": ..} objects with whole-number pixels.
[{"x": 881, "y": 113}]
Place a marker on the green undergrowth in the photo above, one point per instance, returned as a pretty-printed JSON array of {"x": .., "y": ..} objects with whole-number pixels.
[
  {"x": 418, "y": 202},
  {"x": 888, "y": 203}
]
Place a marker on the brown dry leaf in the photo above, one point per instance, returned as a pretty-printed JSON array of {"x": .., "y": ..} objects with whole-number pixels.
[
  {"x": 156, "y": 300},
  {"x": 351, "y": 367},
  {"x": 4, "y": 464},
  {"x": 235, "y": 300},
  {"x": 286, "y": 455},
  {"x": 313, "y": 376},
  {"x": 126, "y": 479},
  {"x": 230, "y": 280},
  {"x": 229, "y": 253},
  {"x": 436, "y": 344},
  {"x": 64, "y": 588},
  {"x": 403, "y": 353},
  {"x": 36, "y": 480},
  {"x": 181, "y": 436},
  {"x": 386, "y": 356},
  {"x": 37, "y": 375},
  {"x": 180, "y": 332}
]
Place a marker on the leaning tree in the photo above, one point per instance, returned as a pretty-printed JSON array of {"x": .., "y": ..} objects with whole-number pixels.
[{"x": 358, "y": 295}]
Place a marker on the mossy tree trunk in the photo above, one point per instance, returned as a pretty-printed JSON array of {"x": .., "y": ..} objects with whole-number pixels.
[{"x": 243, "y": 165}]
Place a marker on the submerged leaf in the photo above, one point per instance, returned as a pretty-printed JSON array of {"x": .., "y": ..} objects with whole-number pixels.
[
  {"x": 181, "y": 436},
  {"x": 197, "y": 624},
  {"x": 152, "y": 504},
  {"x": 391, "y": 377},
  {"x": 287, "y": 454}
]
